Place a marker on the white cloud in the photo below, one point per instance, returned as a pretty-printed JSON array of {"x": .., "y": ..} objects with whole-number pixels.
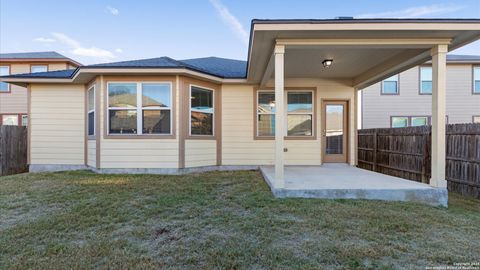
[
  {"x": 113, "y": 10},
  {"x": 78, "y": 49},
  {"x": 118, "y": 50},
  {"x": 414, "y": 12},
  {"x": 230, "y": 20},
  {"x": 44, "y": 40}
]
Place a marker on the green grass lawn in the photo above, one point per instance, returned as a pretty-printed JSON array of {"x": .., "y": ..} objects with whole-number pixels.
[{"x": 218, "y": 220}]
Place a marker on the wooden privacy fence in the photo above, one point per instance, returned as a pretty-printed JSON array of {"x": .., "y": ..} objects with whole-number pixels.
[
  {"x": 406, "y": 153},
  {"x": 13, "y": 150}
]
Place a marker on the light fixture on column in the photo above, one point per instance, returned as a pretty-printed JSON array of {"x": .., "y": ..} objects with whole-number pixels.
[{"x": 327, "y": 63}]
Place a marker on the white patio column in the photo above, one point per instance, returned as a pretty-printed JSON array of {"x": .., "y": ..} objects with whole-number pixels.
[
  {"x": 279, "y": 116},
  {"x": 439, "y": 70}
]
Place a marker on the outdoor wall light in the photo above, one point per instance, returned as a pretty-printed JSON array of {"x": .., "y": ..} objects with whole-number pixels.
[{"x": 327, "y": 63}]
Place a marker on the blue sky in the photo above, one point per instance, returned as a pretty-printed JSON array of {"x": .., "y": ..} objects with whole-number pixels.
[{"x": 94, "y": 31}]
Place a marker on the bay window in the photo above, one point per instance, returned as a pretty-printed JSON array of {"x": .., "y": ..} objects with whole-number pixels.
[
  {"x": 139, "y": 108},
  {"x": 201, "y": 111},
  {"x": 91, "y": 111},
  {"x": 299, "y": 113}
]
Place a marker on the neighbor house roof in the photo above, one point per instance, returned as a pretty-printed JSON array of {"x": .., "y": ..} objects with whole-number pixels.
[
  {"x": 36, "y": 56},
  {"x": 219, "y": 67}
]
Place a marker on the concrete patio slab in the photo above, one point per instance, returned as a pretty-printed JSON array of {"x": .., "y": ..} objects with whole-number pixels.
[{"x": 341, "y": 181}]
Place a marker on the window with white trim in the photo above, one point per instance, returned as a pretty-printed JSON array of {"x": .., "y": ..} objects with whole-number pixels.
[
  {"x": 38, "y": 68},
  {"x": 91, "y": 111},
  {"x": 10, "y": 120},
  {"x": 416, "y": 121},
  {"x": 140, "y": 108},
  {"x": 4, "y": 70},
  {"x": 299, "y": 113},
  {"x": 476, "y": 80},
  {"x": 201, "y": 111},
  {"x": 399, "y": 121},
  {"x": 390, "y": 85},
  {"x": 425, "y": 80}
]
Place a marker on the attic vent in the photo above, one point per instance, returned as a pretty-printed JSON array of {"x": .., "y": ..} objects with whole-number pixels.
[{"x": 343, "y": 18}]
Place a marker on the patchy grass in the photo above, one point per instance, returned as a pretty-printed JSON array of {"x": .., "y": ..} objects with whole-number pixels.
[{"x": 218, "y": 220}]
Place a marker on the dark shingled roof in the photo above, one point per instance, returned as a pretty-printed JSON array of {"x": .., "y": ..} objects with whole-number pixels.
[
  {"x": 26, "y": 55},
  {"x": 220, "y": 67}
]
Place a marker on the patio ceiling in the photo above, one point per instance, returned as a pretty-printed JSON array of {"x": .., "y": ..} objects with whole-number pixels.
[{"x": 365, "y": 51}]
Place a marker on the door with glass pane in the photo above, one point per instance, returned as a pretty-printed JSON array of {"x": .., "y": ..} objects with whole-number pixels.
[{"x": 335, "y": 131}]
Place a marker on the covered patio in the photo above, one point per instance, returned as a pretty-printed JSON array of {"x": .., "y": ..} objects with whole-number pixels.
[
  {"x": 341, "y": 181},
  {"x": 357, "y": 54}
]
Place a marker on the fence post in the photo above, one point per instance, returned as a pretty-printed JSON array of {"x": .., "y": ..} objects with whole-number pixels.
[{"x": 374, "y": 166}]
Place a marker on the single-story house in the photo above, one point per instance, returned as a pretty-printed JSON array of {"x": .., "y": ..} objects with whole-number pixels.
[{"x": 291, "y": 103}]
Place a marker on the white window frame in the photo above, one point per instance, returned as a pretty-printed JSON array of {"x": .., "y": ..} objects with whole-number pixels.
[
  {"x": 287, "y": 113},
  {"x": 397, "y": 81},
  {"x": 421, "y": 80},
  {"x": 7, "y": 115},
  {"x": 475, "y": 80},
  {"x": 35, "y": 66},
  {"x": 140, "y": 108},
  {"x": 93, "y": 110},
  {"x": 8, "y": 73},
  {"x": 396, "y": 116},
  {"x": 190, "y": 110},
  {"x": 427, "y": 122},
  {"x": 257, "y": 113}
]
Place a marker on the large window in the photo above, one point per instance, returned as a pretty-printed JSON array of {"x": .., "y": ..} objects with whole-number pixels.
[
  {"x": 201, "y": 111},
  {"x": 299, "y": 113},
  {"x": 4, "y": 70},
  {"x": 91, "y": 111},
  {"x": 476, "y": 80},
  {"x": 390, "y": 86},
  {"x": 425, "y": 80},
  {"x": 38, "y": 68},
  {"x": 139, "y": 108}
]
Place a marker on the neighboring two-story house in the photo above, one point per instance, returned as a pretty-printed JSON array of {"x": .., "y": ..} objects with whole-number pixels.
[
  {"x": 13, "y": 98},
  {"x": 405, "y": 99}
]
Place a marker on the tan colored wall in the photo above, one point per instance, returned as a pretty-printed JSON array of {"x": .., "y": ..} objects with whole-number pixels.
[
  {"x": 57, "y": 124},
  {"x": 136, "y": 153},
  {"x": 92, "y": 156},
  {"x": 239, "y": 146},
  {"x": 16, "y": 101},
  {"x": 461, "y": 103},
  {"x": 200, "y": 153}
]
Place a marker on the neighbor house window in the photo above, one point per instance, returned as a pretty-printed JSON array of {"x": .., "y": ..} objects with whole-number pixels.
[
  {"x": 4, "y": 70},
  {"x": 10, "y": 120},
  {"x": 425, "y": 80},
  {"x": 24, "y": 120},
  {"x": 416, "y": 121},
  {"x": 139, "y": 108},
  {"x": 91, "y": 111},
  {"x": 201, "y": 111},
  {"x": 299, "y": 113},
  {"x": 265, "y": 113},
  {"x": 476, "y": 80},
  {"x": 38, "y": 68},
  {"x": 399, "y": 122},
  {"x": 476, "y": 119},
  {"x": 390, "y": 85}
]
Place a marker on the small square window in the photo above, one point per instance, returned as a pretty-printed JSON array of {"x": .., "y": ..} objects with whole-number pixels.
[
  {"x": 419, "y": 121},
  {"x": 10, "y": 120},
  {"x": 476, "y": 119},
  {"x": 399, "y": 122},
  {"x": 390, "y": 85}
]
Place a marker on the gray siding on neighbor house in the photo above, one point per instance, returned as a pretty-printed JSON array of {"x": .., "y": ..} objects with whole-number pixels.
[{"x": 377, "y": 109}]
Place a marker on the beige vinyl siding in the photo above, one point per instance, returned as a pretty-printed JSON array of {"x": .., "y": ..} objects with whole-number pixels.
[
  {"x": 200, "y": 153},
  {"x": 57, "y": 66},
  {"x": 461, "y": 103},
  {"x": 92, "y": 155},
  {"x": 57, "y": 124},
  {"x": 239, "y": 146}
]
